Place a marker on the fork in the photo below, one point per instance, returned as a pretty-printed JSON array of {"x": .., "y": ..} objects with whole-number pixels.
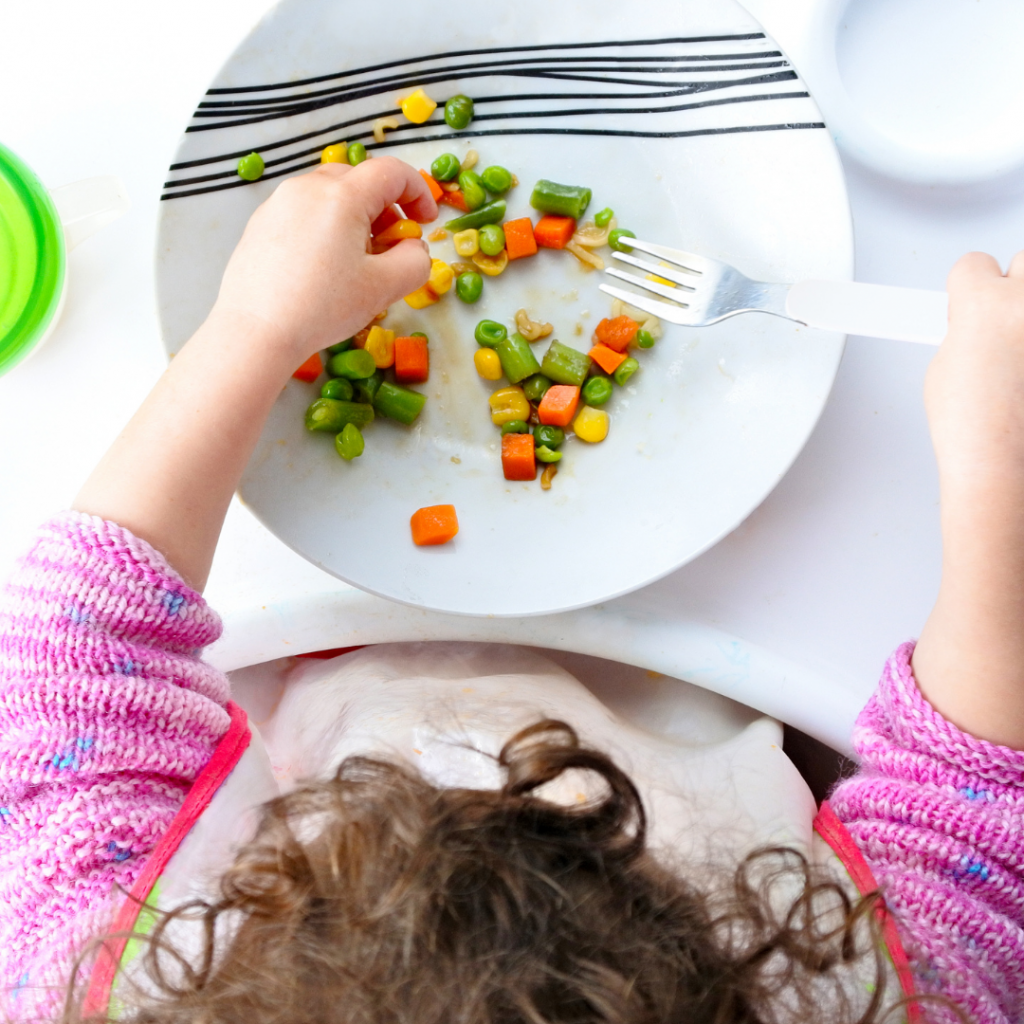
[{"x": 705, "y": 290}]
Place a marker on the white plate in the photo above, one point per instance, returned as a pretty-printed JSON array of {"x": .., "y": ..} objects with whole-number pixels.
[{"x": 730, "y": 160}]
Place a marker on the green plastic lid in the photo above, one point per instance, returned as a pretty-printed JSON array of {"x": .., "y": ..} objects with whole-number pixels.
[{"x": 32, "y": 260}]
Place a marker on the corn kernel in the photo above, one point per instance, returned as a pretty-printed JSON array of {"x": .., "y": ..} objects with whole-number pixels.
[
  {"x": 380, "y": 343},
  {"x": 337, "y": 154},
  {"x": 441, "y": 277},
  {"x": 492, "y": 266},
  {"x": 395, "y": 233},
  {"x": 422, "y": 297},
  {"x": 487, "y": 363},
  {"x": 509, "y": 404},
  {"x": 662, "y": 280},
  {"x": 467, "y": 243},
  {"x": 591, "y": 424},
  {"x": 418, "y": 107}
]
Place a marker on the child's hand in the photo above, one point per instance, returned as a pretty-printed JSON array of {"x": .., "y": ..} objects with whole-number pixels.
[
  {"x": 974, "y": 391},
  {"x": 969, "y": 661},
  {"x": 302, "y": 267}
]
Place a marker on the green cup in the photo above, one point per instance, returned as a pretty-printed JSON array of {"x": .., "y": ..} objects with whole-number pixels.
[{"x": 37, "y": 229}]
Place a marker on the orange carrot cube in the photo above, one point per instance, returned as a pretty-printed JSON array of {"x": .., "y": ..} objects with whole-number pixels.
[
  {"x": 557, "y": 407},
  {"x": 517, "y": 457},
  {"x": 607, "y": 358},
  {"x": 435, "y": 524}
]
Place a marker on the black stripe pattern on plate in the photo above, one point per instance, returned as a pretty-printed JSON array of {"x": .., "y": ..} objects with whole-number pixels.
[{"x": 644, "y": 88}]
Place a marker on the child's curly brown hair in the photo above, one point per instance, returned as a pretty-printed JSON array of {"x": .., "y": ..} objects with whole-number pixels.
[{"x": 378, "y": 898}]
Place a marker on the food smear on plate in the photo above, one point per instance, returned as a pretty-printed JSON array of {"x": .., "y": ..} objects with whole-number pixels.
[{"x": 435, "y": 524}]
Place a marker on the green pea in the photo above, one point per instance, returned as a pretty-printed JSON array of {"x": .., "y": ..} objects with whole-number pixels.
[
  {"x": 356, "y": 153},
  {"x": 458, "y": 112},
  {"x": 492, "y": 239},
  {"x": 341, "y": 346},
  {"x": 472, "y": 190},
  {"x": 604, "y": 217},
  {"x": 349, "y": 443},
  {"x": 644, "y": 339},
  {"x": 445, "y": 167},
  {"x": 515, "y": 427},
  {"x": 251, "y": 167},
  {"x": 420, "y": 334},
  {"x": 338, "y": 387},
  {"x": 489, "y": 333},
  {"x": 597, "y": 391},
  {"x": 545, "y": 454},
  {"x": 618, "y": 233},
  {"x": 469, "y": 286},
  {"x": 536, "y": 387},
  {"x": 626, "y": 370},
  {"x": 548, "y": 437},
  {"x": 497, "y": 180}
]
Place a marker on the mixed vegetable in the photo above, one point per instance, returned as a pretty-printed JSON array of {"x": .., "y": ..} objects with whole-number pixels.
[{"x": 539, "y": 401}]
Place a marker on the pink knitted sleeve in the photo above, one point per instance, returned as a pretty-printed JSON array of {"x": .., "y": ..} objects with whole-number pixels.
[
  {"x": 106, "y": 717},
  {"x": 939, "y": 816}
]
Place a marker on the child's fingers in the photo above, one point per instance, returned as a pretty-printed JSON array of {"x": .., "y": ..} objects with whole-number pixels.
[
  {"x": 382, "y": 181},
  {"x": 972, "y": 270},
  {"x": 407, "y": 265},
  {"x": 1017, "y": 266}
]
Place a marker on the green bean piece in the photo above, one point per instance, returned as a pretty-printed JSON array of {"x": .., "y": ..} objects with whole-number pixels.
[
  {"x": 349, "y": 444},
  {"x": 597, "y": 391},
  {"x": 614, "y": 239},
  {"x": 545, "y": 454},
  {"x": 469, "y": 286},
  {"x": 497, "y": 180},
  {"x": 490, "y": 213},
  {"x": 515, "y": 427},
  {"x": 398, "y": 403},
  {"x": 251, "y": 167},
  {"x": 489, "y": 333},
  {"x": 420, "y": 334},
  {"x": 536, "y": 387},
  {"x": 563, "y": 200},
  {"x": 366, "y": 389},
  {"x": 458, "y": 112},
  {"x": 356, "y": 153},
  {"x": 625, "y": 371},
  {"x": 565, "y": 365},
  {"x": 355, "y": 364},
  {"x": 445, "y": 167},
  {"x": 339, "y": 388},
  {"x": 492, "y": 239},
  {"x": 517, "y": 359},
  {"x": 644, "y": 339},
  {"x": 604, "y": 217},
  {"x": 341, "y": 346},
  {"x": 473, "y": 190},
  {"x": 548, "y": 437},
  {"x": 331, "y": 415}
]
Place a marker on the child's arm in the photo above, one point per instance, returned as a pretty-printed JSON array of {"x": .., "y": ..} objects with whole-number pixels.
[
  {"x": 300, "y": 280},
  {"x": 969, "y": 662},
  {"x": 107, "y": 713}
]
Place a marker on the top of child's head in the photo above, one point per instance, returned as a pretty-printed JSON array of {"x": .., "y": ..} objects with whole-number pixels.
[{"x": 375, "y": 897}]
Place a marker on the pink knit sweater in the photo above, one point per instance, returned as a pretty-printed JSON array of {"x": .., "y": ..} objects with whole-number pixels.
[{"x": 107, "y": 715}]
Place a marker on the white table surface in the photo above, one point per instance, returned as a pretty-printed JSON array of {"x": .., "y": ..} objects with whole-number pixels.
[{"x": 793, "y": 613}]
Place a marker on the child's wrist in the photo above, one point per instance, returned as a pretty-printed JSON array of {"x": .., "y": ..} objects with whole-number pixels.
[{"x": 263, "y": 344}]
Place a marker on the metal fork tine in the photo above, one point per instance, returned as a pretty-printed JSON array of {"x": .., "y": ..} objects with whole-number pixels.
[
  {"x": 667, "y": 291},
  {"x": 687, "y": 260},
  {"x": 674, "y": 314},
  {"x": 683, "y": 279}
]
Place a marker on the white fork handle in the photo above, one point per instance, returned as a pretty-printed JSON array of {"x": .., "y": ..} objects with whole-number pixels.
[{"x": 874, "y": 310}]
